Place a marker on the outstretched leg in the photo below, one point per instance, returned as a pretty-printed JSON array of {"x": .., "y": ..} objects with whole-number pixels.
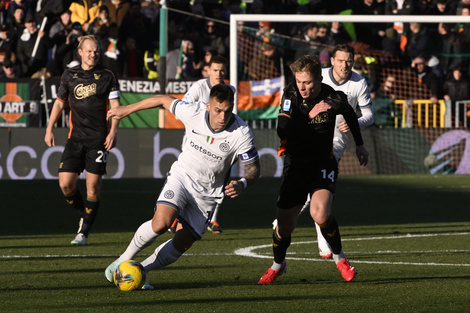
[
  {"x": 169, "y": 251},
  {"x": 145, "y": 236}
]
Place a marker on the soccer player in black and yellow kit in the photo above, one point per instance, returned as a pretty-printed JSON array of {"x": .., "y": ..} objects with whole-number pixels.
[
  {"x": 306, "y": 126},
  {"x": 90, "y": 90}
]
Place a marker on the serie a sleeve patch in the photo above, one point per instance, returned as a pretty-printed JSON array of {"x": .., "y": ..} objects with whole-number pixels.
[
  {"x": 250, "y": 155},
  {"x": 286, "y": 105}
]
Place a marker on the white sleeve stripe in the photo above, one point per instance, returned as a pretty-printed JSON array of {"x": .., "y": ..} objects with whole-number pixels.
[
  {"x": 173, "y": 106},
  {"x": 249, "y": 160}
]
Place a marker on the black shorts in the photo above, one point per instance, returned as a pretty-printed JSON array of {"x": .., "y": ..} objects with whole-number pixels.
[
  {"x": 79, "y": 155},
  {"x": 301, "y": 179}
]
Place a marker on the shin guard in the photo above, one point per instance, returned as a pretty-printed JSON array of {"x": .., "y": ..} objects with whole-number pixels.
[
  {"x": 330, "y": 232},
  {"x": 280, "y": 247},
  {"x": 76, "y": 201}
]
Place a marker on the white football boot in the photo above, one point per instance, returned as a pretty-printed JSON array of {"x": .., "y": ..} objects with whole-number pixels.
[
  {"x": 147, "y": 286},
  {"x": 109, "y": 271},
  {"x": 80, "y": 240}
]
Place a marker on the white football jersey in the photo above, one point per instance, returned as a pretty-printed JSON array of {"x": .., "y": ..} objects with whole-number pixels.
[
  {"x": 207, "y": 155},
  {"x": 358, "y": 94},
  {"x": 200, "y": 91}
]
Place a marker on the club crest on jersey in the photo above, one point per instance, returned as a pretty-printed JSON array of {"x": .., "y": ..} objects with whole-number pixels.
[
  {"x": 323, "y": 117},
  {"x": 82, "y": 92},
  {"x": 97, "y": 76},
  {"x": 224, "y": 147},
  {"x": 169, "y": 194},
  {"x": 286, "y": 105}
]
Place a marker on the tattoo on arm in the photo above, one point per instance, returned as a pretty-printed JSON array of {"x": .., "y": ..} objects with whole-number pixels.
[{"x": 252, "y": 172}]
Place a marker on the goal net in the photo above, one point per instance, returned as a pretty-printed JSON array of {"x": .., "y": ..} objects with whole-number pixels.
[{"x": 407, "y": 124}]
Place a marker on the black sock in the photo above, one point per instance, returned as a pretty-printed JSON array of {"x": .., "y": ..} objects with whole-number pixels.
[
  {"x": 330, "y": 232},
  {"x": 90, "y": 212},
  {"x": 76, "y": 201},
  {"x": 280, "y": 247}
]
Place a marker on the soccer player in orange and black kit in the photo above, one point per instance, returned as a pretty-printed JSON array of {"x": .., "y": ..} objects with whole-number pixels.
[
  {"x": 306, "y": 126},
  {"x": 90, "y": 89}
]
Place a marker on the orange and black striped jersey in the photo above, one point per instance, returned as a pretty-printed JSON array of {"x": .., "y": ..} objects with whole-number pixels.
[{"x": 88, "y": 93}]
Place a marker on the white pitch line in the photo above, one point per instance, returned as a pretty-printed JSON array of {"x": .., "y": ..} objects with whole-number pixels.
[
  {"x": 249, "y": 251},
  {"x": 396, "y": 252},
  {"x": 82, "y": 256},
  {"x": 366, "y": 262},
  {"x": 54, "y": 256},
  {"x": 406, "y": 236}
]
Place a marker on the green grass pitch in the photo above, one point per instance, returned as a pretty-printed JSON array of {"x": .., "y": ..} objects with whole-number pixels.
[{"x": 407, "y": 236}]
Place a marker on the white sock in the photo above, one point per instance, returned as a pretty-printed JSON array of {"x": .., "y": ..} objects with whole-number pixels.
[
  {"x": 276, "y": 266},
  {"x": 339, "y": 257},
  {"x": 144, "y": 237},
  {"x": 306, "y": 206},
  {"x": 216, "y": 212},
  {"x": 321, "y": 240},
  {"x": 164, "y": 255},
  {"x": 319, "y": 234}
]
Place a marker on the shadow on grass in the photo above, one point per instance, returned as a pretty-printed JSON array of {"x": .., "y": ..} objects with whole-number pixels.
[{"x": 38, "y": 207}]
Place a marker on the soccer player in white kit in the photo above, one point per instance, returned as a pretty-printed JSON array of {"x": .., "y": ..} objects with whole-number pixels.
[
  {"x": 198, "y": 181},
  {"x": 200, "y": 91},
  {"x": 341, "y": 78}
]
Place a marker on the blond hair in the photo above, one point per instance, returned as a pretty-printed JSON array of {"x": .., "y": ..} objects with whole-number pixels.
[{"x": 88, "y": 37}]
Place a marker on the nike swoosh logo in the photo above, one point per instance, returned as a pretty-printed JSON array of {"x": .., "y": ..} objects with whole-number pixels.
[{"x": 88, "y": 211}]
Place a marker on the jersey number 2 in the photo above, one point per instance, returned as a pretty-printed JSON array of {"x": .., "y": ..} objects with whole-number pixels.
[{"x": 102, "y": 157}]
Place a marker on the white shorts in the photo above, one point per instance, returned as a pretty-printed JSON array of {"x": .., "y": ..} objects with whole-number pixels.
[{"x": 194, "y": 209}]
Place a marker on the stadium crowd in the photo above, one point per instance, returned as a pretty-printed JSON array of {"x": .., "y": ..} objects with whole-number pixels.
[{"x": 129, "y": 29}]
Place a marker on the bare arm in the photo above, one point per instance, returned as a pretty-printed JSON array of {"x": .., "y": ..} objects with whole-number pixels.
[
  {"x": 111, "y": 138},
  {"x": 149, "y": 103},
  {"x": 55, "y": 114},
  {"x": 252, "y": 173}
]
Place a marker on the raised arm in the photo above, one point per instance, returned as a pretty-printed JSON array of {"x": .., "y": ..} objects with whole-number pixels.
[{"x": 149, "y": 103}]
